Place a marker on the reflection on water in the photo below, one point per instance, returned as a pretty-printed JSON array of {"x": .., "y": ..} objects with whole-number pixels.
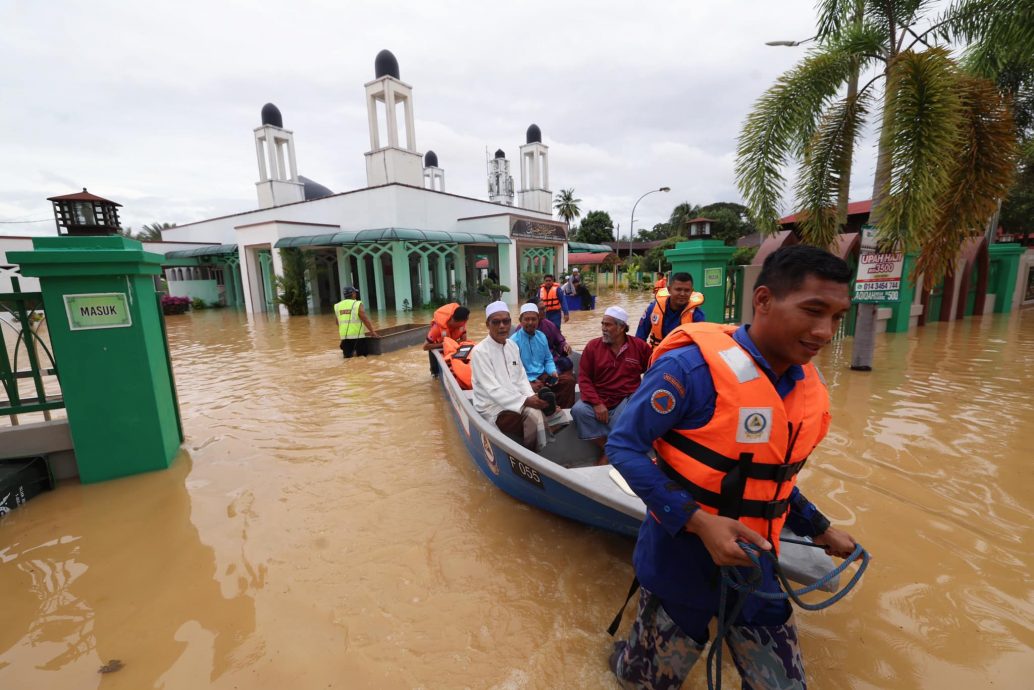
[{"x": 323, "y": 527}]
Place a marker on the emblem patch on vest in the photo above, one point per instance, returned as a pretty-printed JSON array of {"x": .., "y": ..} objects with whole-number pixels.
[
  {"x": 755, "y": 425},
  {"x": 662, "y": 401},
  {"x": 655, "y": 317}
]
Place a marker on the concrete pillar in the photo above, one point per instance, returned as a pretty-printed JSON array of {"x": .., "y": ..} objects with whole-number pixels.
[
  {"x": 276, "y": 268},
  {"x": 344, "y": 271},
  {"x": 378, "y": 283},
  {"x": 460, "y": 269},
  {"x": 442, "y": 277},
  {"x": 362, "y": 277},
  {"x": 707, "y": 261},
  {"x": 425, "y": 280},
  {"x": 393, "y": 125},
  {"x": 508, "y": 273},
  {"x": 400, "y": 273},
  {"x": 1007, "y": 259}
]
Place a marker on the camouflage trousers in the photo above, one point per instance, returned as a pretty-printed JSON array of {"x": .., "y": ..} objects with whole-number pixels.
[{"x": 658, "y": 656}]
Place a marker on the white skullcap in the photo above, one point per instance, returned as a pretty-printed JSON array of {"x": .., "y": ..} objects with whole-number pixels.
[
  {"x": 495, "y": 308},
  {"x": 529, "y": 307},
  {"x": 575, "y": 270},
  {"x": 617, "y": 313}
]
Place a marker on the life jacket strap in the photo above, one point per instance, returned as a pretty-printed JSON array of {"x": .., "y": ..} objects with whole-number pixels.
[
  {"x": 730, "y": 502},
  {"x": 613, "y": 628},
  {"x": 716, "y": 461}
]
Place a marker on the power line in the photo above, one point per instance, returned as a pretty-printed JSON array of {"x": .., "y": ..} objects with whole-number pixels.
[{"x": 41, "y": 220}]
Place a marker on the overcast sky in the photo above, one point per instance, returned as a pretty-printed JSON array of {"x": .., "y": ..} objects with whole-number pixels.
[{"x": 153, "y": 104}]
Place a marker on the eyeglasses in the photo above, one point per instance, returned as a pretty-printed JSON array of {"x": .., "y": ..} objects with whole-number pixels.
[{"x": 499, "y": 322}]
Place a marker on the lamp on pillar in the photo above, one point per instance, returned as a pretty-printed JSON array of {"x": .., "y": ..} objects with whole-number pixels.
[
  {"x": 699, "y": 228},
  {"x": 83, "y": 213}
]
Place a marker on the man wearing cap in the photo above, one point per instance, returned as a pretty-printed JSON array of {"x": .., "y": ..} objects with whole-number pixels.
[
  {"x": 502, "y": 392},
  {"x": 538, "y": 359},
  {"x": 609, "y": 372},
  {"x": 350, "y": 321}
]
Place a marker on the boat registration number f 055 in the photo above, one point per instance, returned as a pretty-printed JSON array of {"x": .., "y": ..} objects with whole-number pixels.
[{"x": 526, "y": 473}]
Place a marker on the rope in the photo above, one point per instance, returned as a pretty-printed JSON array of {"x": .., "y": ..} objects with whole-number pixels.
[{"x": 733, "y": 578}]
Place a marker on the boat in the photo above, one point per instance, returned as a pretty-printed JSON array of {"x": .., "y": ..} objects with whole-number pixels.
[
  {"x": 397, "y": 337},
  {"x": 564, "y": 479}
]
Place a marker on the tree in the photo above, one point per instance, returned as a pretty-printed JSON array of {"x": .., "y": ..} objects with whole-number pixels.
[
  {"x": 596, "y": 228},
  {"x": 731, "y": 221},
  {"x": 946, "y": 144},
  {"x": 659, "y": 231},
  {"x": 292, "y": 287},
  {"x": 153, "y": 232},
  {"x": 680, "y": 217},
  {"x": 566, "y": 205}
]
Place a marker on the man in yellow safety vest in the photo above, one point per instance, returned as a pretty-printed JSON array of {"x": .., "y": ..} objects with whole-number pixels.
[{"x": 350, "y": 322}]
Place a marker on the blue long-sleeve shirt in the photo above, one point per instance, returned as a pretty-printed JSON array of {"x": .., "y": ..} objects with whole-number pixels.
[
  {"x": 672, "y": 320},
  {"x": 670, "y": 562},
  {"x": 535, "y": 353}
]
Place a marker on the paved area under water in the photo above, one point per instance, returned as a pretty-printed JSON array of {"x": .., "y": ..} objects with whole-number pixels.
[{"x": 323, "y": 527}]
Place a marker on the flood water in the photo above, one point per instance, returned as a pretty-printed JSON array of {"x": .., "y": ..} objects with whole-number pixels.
[{"x": 323, "y": 527}]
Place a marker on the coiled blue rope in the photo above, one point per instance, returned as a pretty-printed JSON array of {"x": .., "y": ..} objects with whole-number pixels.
[{"x": 733, "y": 578}]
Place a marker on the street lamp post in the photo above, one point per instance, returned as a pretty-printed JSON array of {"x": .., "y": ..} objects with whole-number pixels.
[{"x": 632, "y": 223}]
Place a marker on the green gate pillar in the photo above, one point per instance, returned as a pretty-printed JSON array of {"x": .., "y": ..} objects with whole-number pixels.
[
  {"x": 1007, "y": 256},
  {"x": 109, "y": 343},
  {"x": 707, "y": 261},
  {"x": 901, "y": 310}
]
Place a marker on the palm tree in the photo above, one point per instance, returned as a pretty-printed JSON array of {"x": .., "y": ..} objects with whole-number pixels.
[
  {"x": 678, "y": 222},
  {"x": 566, "y": 205},
  {"x": 153, "y": 232},
  {"x": 946, "y": 149}
]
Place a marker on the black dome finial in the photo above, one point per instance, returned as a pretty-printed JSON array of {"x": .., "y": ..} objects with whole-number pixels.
[
  {"x": 430, "y": 159},
  {"x": 534, "y": 135},
  {"x": 271, "y": 115},
  {"x": 385, "y": 65},
  {"x": 499, "y": 153}
]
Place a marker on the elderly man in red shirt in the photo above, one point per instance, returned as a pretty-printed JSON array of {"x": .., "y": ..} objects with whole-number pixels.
[{"x": 609, "y": 372}]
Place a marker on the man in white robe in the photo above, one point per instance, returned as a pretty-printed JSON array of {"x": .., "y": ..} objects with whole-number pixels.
[{"x": 502, "y": 393}]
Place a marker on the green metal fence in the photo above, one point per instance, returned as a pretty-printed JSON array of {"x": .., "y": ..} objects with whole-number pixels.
[{"x": 21, "y": 346}]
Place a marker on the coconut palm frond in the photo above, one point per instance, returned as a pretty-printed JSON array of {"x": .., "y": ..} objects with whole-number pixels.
[
  {"x": 981, "y": 173},
  {"x": 999, "y": 33},
  {"x": 826, "y": 160},
  {"x": 777, "y": 129},
  {"x": 833, "y": 16},
  {"x": 922, "y": 119}
]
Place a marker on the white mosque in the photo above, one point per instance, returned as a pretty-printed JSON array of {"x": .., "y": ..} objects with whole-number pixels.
[{"x": 403, "y": 240}]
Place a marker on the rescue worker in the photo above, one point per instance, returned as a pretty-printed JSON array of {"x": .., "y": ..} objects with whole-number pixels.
[
  {"x": 350, "y": 321},
  {"x": 448, "y": 321},
  {"x": 660, "y": 284},
  {"x": 667, "y": 312},
  {"x": 732, "y": 414},
  {"x": 553, "y": 304}
]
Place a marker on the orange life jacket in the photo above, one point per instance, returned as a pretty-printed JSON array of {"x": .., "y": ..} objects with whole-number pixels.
[
  {"x": 550, "y": 298},
  {"x": 743, "y": 463},
  {"x": 441, "y": 320},
  {"x": 460, "y": 367},
  {"x": 660, "y": 283},
  {"x": 657, "y": 315}
]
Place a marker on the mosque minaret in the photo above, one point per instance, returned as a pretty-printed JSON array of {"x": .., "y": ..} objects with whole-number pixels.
[
  {"x": 535, "y": 194},
  {"x": 394, "y": 160},
  {"x": 278, "y": 168},
  {"x": 500, "y": 181}
]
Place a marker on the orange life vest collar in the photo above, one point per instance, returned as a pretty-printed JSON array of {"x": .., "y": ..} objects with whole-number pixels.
[
  {"x": 743, "y": 462},
  {"x": 550, "y": 298},
  {"x": 657, "y": 315}
]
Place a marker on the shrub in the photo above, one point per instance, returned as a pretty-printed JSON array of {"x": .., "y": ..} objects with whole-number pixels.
[
  {"x": 292, "y": 287},
  {"x": 197, "y": 304},
  {"x": 174, "y": 305}
]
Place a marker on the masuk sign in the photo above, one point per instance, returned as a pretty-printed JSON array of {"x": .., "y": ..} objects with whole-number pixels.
[
  {"x": 879, "y": 273},
  {"x": 97, "y": 310}
]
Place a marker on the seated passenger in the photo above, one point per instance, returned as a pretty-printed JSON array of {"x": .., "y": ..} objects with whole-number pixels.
[
  {"x": 449, "y": 321},
  {"x": 668, "y": 312},
  {"x": 538, "y": 360},
  {"x": 609, "y": 372},
  {"x": 558, "y": 346},
  {"x": 502, "y": 393}
]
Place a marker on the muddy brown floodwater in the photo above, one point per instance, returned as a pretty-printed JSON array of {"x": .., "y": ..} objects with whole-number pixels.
[{"x": 323, "y": 527}]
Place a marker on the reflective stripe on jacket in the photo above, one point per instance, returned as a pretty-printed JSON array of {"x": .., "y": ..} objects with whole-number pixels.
[
  {"x": 349, "y": 326},
  {"x": 550, "y": 298},
  {"x": 657, "y": 316},
  {"x": 743, "y": 463}
]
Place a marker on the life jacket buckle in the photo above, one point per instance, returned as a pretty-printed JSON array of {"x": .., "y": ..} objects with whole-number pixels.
[{"x": 773, "y": 509}]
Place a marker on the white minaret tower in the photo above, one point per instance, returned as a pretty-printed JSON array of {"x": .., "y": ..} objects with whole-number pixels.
[
  {"x": 434, "y": 177},
  {"x": 535, "y": 194},
  {"x": 278, "y": 179},
  {"x": 391, "y": 161},
  {"x": 500, "y": 181}
]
